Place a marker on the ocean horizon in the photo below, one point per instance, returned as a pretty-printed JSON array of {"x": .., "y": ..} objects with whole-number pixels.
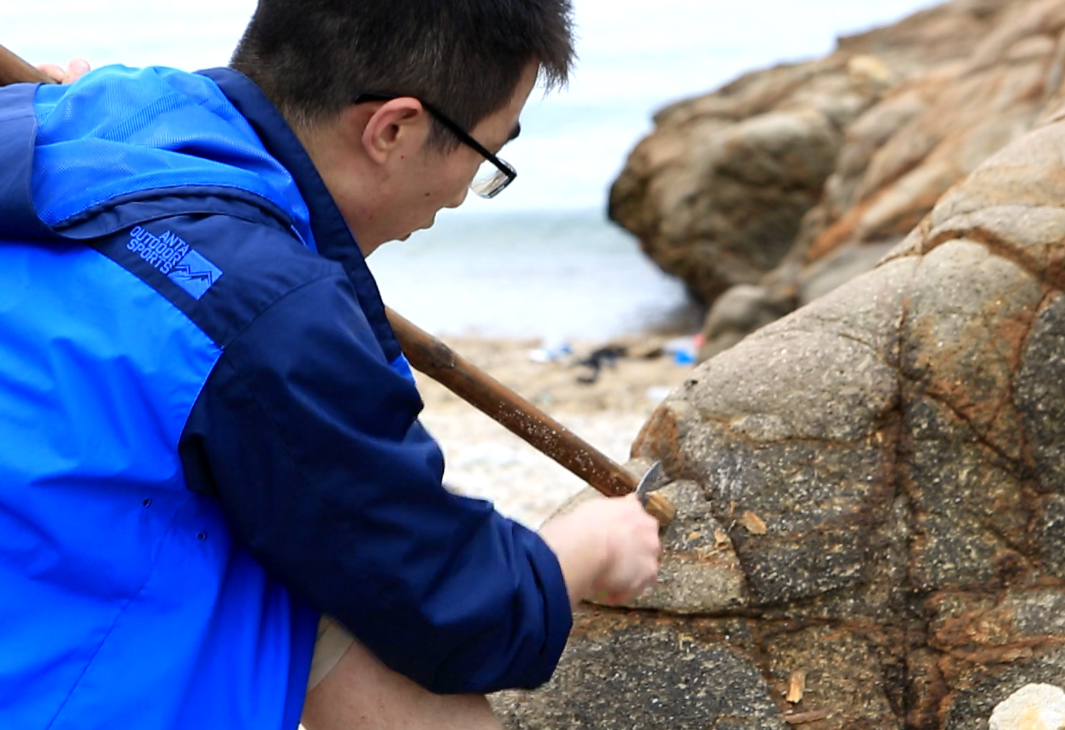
[{"x": 488, "y": 261}]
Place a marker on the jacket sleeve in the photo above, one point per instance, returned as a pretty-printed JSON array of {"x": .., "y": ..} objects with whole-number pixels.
[{"x": 310, "y": 440}]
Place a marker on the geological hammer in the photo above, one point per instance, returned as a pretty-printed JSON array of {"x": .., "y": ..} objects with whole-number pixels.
[{"x": 432, "y": 357}]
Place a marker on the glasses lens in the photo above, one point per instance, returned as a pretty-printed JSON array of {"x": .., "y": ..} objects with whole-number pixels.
[{"x": 489, "y": 180}]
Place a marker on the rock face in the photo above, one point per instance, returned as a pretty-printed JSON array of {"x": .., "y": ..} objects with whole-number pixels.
[
  {"x": 871, "y": 493},
  {"x": 932, "y": 130},
  {"x": 717, "y": 193},
  {"x": 795, "y": 179}
]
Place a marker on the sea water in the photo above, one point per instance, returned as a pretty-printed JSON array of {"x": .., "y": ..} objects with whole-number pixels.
[
  {"x": 541, "y": 259},
  {"x": 557, "y": 275}
]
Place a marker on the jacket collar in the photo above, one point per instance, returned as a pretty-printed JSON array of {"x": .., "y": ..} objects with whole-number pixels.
[
  {"x": 330, "y": 231},
  {"x": 18, "y": 217}
]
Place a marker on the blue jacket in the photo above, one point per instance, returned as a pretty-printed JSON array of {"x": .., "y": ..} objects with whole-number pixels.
[{"x": 208, "y": 434}]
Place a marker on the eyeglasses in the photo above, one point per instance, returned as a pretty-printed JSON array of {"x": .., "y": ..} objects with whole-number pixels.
[{"x": 492, "y": 176}]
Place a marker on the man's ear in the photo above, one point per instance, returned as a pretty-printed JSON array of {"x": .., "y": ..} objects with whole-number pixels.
[{"x": 396, "y": 126}]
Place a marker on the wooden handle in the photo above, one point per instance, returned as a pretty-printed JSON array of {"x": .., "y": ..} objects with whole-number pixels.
[
  {"x": 438, "y": 361},
  {"x": 434, "y": 358},
  {"x": 14, "y": 70}
]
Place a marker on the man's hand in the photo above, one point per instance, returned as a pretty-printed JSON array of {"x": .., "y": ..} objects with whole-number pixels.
[
  {"x": 74, "y": 70},
  {"x": 606, "y": 547}
]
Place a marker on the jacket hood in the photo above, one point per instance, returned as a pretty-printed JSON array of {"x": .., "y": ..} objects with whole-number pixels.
[{"x": 122, "y": 134}]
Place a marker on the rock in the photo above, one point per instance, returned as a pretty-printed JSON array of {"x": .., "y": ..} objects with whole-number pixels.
[
  {"x": 717, "y": 193},
  {"x": 700, "y": 573},
  {"x": 837, "y": 269},
  {"x": 903, "y": 153},
  {"x": 767, "y": 181},
  {"x": 1032, "y": 707},
  {"x": 636, "y": 672},
  {"x": 883, "y": 475},
  {"x": 745, "y": 308},
  {"x": 740, "y": 310},
  {"x": 765, "y": 171}
]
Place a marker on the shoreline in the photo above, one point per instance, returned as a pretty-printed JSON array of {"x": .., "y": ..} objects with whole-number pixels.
[{"x": 485, "y": 460}]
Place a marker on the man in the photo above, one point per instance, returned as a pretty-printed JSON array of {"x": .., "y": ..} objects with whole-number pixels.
[{"x": 209, "y": 435}]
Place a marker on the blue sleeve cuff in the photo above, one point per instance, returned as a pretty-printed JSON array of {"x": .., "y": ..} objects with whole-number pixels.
[{"x": 557, "y": 611}]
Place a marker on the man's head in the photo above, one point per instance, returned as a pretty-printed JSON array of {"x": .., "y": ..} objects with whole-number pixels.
[{"x": 468, "y": 61}]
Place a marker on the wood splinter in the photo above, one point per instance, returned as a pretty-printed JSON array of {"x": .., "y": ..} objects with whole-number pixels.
[
  {"x": 796, "y": 686},
  {"x": 754, "y": 524}
]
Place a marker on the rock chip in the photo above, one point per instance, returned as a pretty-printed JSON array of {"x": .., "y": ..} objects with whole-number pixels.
[{"x": 1032, "y": 707}]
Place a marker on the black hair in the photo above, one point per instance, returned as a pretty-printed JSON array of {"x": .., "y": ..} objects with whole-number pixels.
[{"x": 465, "y": 57}]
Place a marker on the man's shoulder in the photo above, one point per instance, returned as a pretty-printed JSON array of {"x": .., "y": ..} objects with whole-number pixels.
[
  {"x": 252, "y": 251},
  {"x": 221, "y": 262},
  {"x": 156, "y": 134}
]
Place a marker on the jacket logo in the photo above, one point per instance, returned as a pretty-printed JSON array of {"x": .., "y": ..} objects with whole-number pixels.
[{"x": 176, "y": 259}]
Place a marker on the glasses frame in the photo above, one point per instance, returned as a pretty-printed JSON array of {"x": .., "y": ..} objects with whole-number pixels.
[{"x": 504, "y": 167}]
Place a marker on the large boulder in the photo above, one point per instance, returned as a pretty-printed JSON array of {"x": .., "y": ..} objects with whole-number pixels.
[
  {"x": 871, "y": 494},
  {"x": 717, "y": 192},
  {"x": 902, "y": 153}
]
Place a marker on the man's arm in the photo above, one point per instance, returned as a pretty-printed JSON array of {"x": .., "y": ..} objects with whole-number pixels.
[{"x": 311, "y": 441}]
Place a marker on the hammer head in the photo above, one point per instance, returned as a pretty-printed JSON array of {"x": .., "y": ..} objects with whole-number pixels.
[{"x": 654, "y": 478}]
